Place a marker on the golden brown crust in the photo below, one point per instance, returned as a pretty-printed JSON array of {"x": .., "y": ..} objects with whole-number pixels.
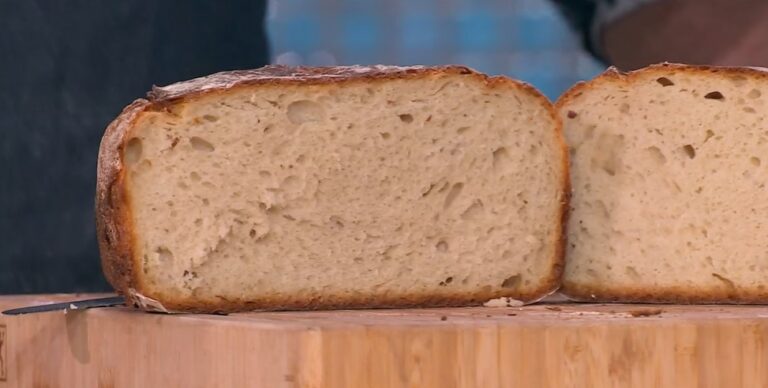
[
  {"x": 284, "y": 75},
  {"x": 614, "y": 75},
  {"x": 113, "y": 221},
  {"x": 686, "y": 295},
  {"x": 332, "y": 302},
  {"x": 113, "y": 207},
  {"x": 678, "y": 295}
]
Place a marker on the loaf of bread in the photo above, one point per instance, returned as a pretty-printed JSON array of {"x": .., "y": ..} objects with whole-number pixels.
[
  {"x": 668, "y": 185},
  {"x": 346, "y": 187}
]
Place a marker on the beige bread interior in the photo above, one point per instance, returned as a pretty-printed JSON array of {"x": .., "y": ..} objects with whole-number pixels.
[
  {"x": 669, "y": 186},
  {"x": 393, "y": 192}
]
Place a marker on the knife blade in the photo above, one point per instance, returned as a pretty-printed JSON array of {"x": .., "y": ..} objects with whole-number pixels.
[{"x": 73, "y": 305}]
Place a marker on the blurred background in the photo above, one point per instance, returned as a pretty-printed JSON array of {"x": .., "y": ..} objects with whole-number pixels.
[{"x": 524, "y": 39}]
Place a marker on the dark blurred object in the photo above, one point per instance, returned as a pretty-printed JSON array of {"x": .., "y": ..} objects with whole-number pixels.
[
  {"x": 67, "y": 69},
  {"x": 635, "y": 33},
  {"x": 704, "y": 32},
  {"x": 581, "y": 16}
]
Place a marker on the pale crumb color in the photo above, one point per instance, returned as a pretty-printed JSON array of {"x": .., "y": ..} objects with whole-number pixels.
[
  {"x": 669, "y": 183},
  {"x": 434, "y": 186}
]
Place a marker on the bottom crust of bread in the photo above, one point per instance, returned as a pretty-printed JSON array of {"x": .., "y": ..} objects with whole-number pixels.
[{"x": 169, "y": 305}]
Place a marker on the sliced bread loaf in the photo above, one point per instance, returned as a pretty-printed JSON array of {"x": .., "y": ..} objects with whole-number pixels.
[
  {"x": 668, "y": 185},
  {"x": 284, "y": 188}
]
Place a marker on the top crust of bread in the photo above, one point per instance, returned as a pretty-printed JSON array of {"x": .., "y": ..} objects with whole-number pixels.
[
  {"x": 674, "y": 294},
  {"x": 612, "y": 74},
  {"x": 113, "y": 217}
]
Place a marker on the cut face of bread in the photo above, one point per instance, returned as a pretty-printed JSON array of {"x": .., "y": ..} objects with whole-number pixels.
[
  {"x": 347, "y": 187},
  {"x": 669, "y": 185}
]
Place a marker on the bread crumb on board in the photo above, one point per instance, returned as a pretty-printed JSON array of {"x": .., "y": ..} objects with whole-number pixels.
[{"x": 503, "y": 302}]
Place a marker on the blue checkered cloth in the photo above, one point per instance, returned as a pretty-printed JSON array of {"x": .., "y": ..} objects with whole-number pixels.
[{"x": 524, "y": 39}]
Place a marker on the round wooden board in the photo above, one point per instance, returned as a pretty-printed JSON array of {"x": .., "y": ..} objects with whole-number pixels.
[{"x": 544, "y": 345}]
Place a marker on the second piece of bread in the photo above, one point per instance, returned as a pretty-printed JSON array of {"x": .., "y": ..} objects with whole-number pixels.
[{"x": 669, "y": 185}]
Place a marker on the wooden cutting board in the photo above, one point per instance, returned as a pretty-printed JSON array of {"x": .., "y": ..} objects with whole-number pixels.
[{"x": 545, "y": 345}]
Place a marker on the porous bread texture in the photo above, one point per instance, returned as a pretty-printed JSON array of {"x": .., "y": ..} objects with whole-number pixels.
[
  {"x": 439, "y": 188},
  {"x": 669, "y": 177}
]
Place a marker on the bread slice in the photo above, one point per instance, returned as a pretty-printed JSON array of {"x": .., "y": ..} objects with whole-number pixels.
[
  {"x": 284, "y": 188},
  {"x": 669, "y": 185}
]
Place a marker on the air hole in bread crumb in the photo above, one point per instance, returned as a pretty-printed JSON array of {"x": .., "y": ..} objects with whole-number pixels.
[
  {"x": 500, "y": 156},
  {"x": 709, "y": 134},
  {"x": 656, "y": 155},
  {"x": 602, "y": 209},
  {"x": 265, "y": 174},
  {"x": 609, "y": 157},
  {"x": 194, "y": 176},
  {"x": 473, "y": 211},
  {"x": 385, "y": 135},
  {"x": 206, "y": 202},
  {"x": 632, "y": 273},
  {"x": 624, "y": 108},
  {"x": 164, "y": 255},
  {"x": 267, "y": 129},
  {"x": 406, "y": 118},
  {"x": 132, "y": 151},
  {"x": 211, "y": 118},
  {"x": 749, "y": 109},
  {"x": 754, "y": 93},
  {"x": 303, "y": 111},
  {"x": 755, "y": 161},
  {"x": 198, "y": 221},
  {"x": 453, "y": 194},
  {"x": 336, "y": 220},
  {"x": 689, "y": 151},
  {"x": 462, "y": 130},
  {"x": 728, "y": 282},
  {"x": 447, "y": 281},
  {"x": 200, "y": 144},
  {"x": 145, "y": 165},
  {"x": 441, "y": 246},
  {"x": 664, "y": 81},
  {"x": 511, "y": 282},
  {"x": 429, "y": 190},
  {"x": 714, "y": 96}
]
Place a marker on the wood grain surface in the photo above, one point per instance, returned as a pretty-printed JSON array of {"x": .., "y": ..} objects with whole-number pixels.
[{"x": 544, "y": 345}]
